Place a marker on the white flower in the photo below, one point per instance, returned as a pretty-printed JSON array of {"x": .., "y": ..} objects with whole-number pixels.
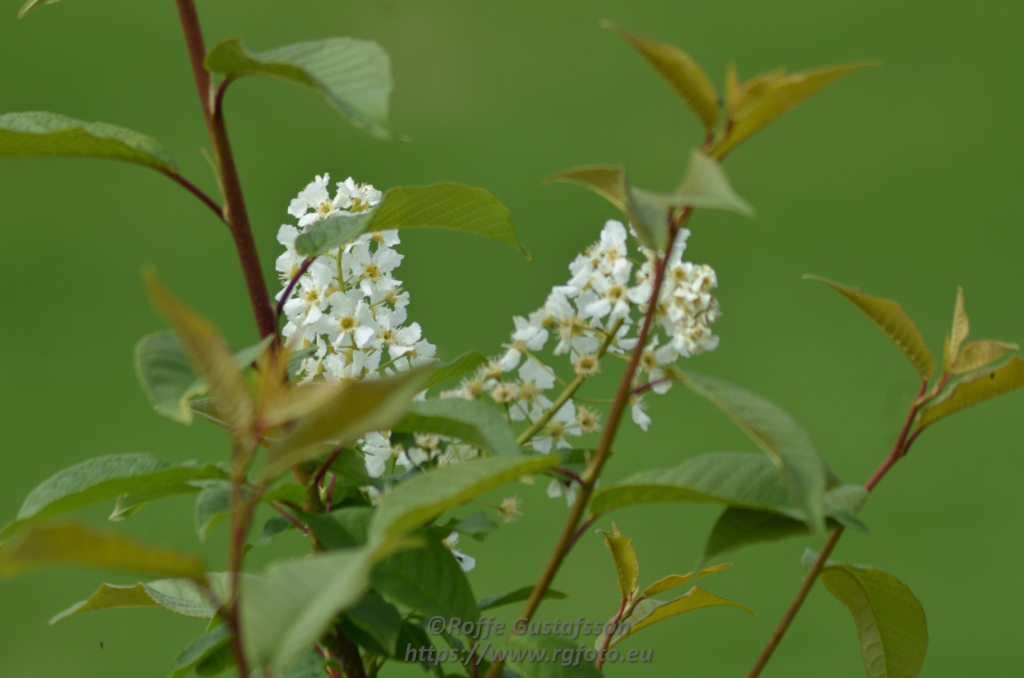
[{"x": 467, "y": 563}]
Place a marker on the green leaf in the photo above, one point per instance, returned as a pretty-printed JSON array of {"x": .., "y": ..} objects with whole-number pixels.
[
  {"x": 890, "y": 621},
  {"x": 973, "y": 389},
  {"x": 961, "y": 328},
  {"x": 99, "y": 479},
  {"x": 212, "y": 506},
  {"x": 736, "y": 478},
  {"x": 517, "y": 596},
  {"x": 32, "y": 4},
  {"x": 356, "y": 407},
  {"x": 766, "y": 100},
  {"x": 335, "y": 231},
  {"x": 467, "y": 420},
  {"x": 425, "y": 496},
  {"x": 681, "y": 72},
  {"x": 448, "y": 206},
  {"x": 778, "y": 435},
  {"x": 706, "y": 186},
  {"x": 129, "y": 504},
  {"x": 475, "y": 526},
  {"x": 428, "y": 580},
  {"x": 209, "y": 353},
  {"x": 77, "y": 544},
  {"x": 893, "y": 321},
  {"x": 624, "y": 557},
  {"x": 42, "y": 134},
  {"x": 738, "y": 527},
  {"x": 650, "y": 611},
  {"x": 608, "y": 181},
  {"x": 294, "y": 602},
  {"x": 204, "y": 647},
  {"x": 353, "y": 75},
  {"x": 180, "y": 596},
  {"x": 464, "y": 364},
  {"x": 167, "y": 377},
  {"x": 673, "y": 580},
  {"x": 376, "y": 620}
]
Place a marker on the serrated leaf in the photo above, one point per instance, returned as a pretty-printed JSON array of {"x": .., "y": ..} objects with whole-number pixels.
[
  {"x": 77, "y": 544},
  {"x": 650, "y": 611},
  {"x": 890, "y": 317},
  {"x": 100, "y": 479},
  {"x": 469, "y": 421},
  {"x": 209, "y": 353},
  {"x": 681, "y": 72},
  {"x": 673, "y": 580},
  {"x": 294, "y": 602},
  {"x": 978, "y": 354},
  {"x": 517, "y": 596},
  {"x": 464, "y": 364},
  {"x": 624, "y": 557},
  {"x": 180, "y": 596},
  {"x": 974, "y": 389},
  {"x": 425, "y": 496},
  {"x": 777, "y": 96},
  {"x": 353, "y": 75},
  {"x": 355, "y": 408},
  {"x": 428, "y": 580},
  {"x": 890, "y": 621},
  {"x": 43, "y": 134}
]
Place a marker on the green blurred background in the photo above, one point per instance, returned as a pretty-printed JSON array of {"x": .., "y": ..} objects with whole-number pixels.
[{"x": 900, "y": 180}]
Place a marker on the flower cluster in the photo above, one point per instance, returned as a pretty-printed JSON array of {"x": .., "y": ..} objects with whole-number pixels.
[
  {"x": 347, "y": 306},
  {"x": 595, "y": 313}
]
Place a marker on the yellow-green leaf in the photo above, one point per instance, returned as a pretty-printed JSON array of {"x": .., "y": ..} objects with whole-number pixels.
[
  {"x": 650, "y": 611},
  {"x": 210, "y": 354},
  {"x": 78, "y": 544},
  {"x": 974, "y": 389},
  {"x": 890, "y": 621},
  {"x": 707, "y": 186},
  {"x": 961, "y": 327},
  {"x": 181, "y": 596},
  {"x": 624, "y": 557},
  {"x": 894, "y": 321},
  {"x": 673, "y": 580},
  {"x": 353, "y": 409},
  {"x": 978, "y": 354},
  {"x": 608, "y": 181},
  {"x": 685, "y": 76},
  {"x": 32, "y": 4},
  {"x": 774, "y": 97}
]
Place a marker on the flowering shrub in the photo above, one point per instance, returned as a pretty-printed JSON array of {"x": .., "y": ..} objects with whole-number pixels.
[{"x": 342, "y": 419}]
